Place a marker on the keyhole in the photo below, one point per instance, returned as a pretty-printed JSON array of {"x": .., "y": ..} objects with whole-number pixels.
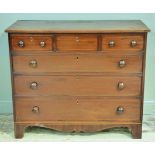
[
  {"x": 77, "y": 59},
  {"x": 77, "y": 102}
]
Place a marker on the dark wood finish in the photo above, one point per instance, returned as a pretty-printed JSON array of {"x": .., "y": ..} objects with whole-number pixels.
[
  {"x": 78, "y": 75},
  {"x": 136, "y": 131},
  {"x": 78, "y": 85},
  {"x": 19, "y": 130},
  {"x": 78, "y": 63},
  {"x": 143, "y": 77}
]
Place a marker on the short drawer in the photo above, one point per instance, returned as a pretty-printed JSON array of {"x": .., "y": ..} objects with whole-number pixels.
[
  {"x": 78, "y": 63},
  {"x": 77, "y": 85},
  {"x": 74, "y": 109},
  {"x": 76, "y": 42},
  {"x": 30, "y": 42},
  {"x": 120, "y": 42}
]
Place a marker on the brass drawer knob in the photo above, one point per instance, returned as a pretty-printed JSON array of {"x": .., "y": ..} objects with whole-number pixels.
[
  {"x": 133, "y": 43},
  {"x": 33, "y": 63},
  {"x": 21, "y": 44},
  {"x": 120, "y": 110},
  {"x": 34, "y": 85},
  {"x": 111, "y": 44},
  {"x": 35, "y": 109},
  {"x": 121, "y": 85},
  {"x": 122, "y": 63},
  {"x": 42, "y": 44}
]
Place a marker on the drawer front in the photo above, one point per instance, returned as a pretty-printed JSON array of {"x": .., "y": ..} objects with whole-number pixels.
[
  {"x": 77, "y": 85},
  {"x": 32, "y": 42},
  {"x": 119, "y": 42},
  {"x": 75, "y": 42},
  {"x": 78, "y": 63},
  {"x": 71, "y": 109}
]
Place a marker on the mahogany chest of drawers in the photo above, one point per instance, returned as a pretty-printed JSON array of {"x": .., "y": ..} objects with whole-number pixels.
[{"x": 78, "y": 75}]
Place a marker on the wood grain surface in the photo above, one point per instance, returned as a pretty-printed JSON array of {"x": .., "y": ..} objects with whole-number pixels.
[
  {"x": 74, "y": 63},
  {"x": 78, "y": 85},
  {"x": 122, "y": 42},
  {"x": 71, "y": 83},
  {"x": 31, "y": 42},
  {"x": 83, "y": 26},
  {"x": 75, "y": 109}
]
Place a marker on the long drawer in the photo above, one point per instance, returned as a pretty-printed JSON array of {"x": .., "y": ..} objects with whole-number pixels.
[
  {"x": 73, "y": 109},
  {"x": 78, "y": 63},
  {"x": 78, "y": 85}
]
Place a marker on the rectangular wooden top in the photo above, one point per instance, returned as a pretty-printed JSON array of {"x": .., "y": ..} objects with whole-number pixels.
[{"x": 83, "y": 26}]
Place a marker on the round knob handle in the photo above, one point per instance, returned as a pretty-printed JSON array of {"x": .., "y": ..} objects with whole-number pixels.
[
  {"x": 120, "y": 110},
  {"x": 33, "y": 63},
  {"x": 121, "y": 85},
  {"x": 21, "y": 44},
  {"x": 111, "y": 44},
  {"x": 42, "y": 44},
  {"x": 122, "y": 63},
  {"x": 35, "y": 109},
  {"x": 34, "y": 85},
  {"x": 133, "y": 43}
]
